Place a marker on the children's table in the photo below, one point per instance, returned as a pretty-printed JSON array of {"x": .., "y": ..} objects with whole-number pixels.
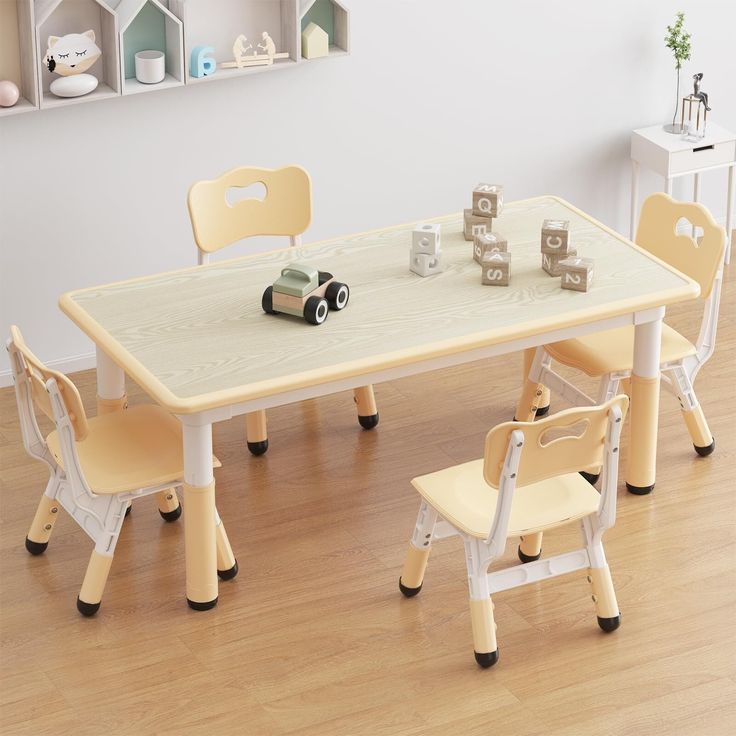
[{"x": 197, "y": 341}]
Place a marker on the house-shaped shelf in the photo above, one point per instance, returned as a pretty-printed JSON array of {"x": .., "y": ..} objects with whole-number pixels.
[
  {"x": 147, "y": 25},
  {"x": 60, "y": 17},
  {"x": 17, "y": 53},
  {"x": 218, "y": 27},
  {"x": 331, "y": 16}
]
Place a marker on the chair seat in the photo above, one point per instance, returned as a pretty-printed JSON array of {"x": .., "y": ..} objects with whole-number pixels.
[
  {"x": 613, "y": 350},
  {"x": 461, "y": 495},
  {"x": 129, "y": 450}
]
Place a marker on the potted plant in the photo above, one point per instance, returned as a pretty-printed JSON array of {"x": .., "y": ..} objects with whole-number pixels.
[{"x": 678, "y": 41}]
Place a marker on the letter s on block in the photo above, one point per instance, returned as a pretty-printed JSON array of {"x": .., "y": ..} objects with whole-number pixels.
[{"x": 201, "y": 64}]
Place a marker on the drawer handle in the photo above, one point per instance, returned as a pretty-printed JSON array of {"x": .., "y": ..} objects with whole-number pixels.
[{"x": 704, "y": 148}]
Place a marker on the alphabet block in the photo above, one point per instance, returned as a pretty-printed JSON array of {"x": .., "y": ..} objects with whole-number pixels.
[
  {"x": 425, "y": 264},
  {"x": 576, "y": 273},
  {"x": 488, "y": 243},
  {"x": 488, "y": 200},
  {"x": 555, "y": 236},
  {"x": 475, "y": 224},
  {"x": 496, "y": 269},
  {"x": 551, "y": 261},
  {"x": 425, "y": 238}
]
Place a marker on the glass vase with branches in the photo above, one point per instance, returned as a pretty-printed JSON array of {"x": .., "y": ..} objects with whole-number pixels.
[{"x": 678, "y": 41}]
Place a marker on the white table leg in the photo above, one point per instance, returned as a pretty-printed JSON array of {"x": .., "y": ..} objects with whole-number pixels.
[
  {"x": 111, "y": 394},
  {"x": 641, "y": 472},
  {"x": 200, "y": 545},
  {"x": 668, "y": 185},
  {"x": 696, "y": 192},
  {"x": 634, "y": 197},
  {"x": 729, "y": 213}
]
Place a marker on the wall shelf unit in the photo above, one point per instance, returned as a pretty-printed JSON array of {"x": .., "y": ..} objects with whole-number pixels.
[
  {"x": 148, "y": 25},
  {"x": 330, "y": 15},
  {"x": 174, "y": 27},
  {"x": 59, "y": 17},
  {"x": 17, "y": 53}
]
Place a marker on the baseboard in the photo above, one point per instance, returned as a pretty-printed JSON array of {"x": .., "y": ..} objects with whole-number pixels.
[{"x": 63, "y": 365}]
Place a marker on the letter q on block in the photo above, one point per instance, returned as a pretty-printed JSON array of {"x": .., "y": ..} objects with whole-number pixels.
[
  {"x": 425, "y": 238},
  {"x": 488, "y": 200}
]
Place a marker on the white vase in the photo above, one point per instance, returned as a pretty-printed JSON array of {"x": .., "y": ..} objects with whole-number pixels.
[{"x": 150, "y": 67}]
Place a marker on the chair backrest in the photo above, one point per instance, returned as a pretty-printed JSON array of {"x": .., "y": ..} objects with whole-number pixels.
[
  {"x": 285, "y": 210},
  {"x": 657, "y": 233},
  {"x": 33, "y": 374},
  {"x": 567, "y": 442}
]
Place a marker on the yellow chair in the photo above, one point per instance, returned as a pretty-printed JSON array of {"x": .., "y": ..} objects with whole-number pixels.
[
  {"x": 96, "y": 465},
  {"x": 609, "y": 355},
  {"x": 527, "y": 482},
  {"x": 285, "y": 210}
]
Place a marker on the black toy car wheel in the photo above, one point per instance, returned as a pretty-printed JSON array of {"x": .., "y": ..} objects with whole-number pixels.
[
  {"x": 337, "y": 295},
  {"x": 316, "y": 310},
  {"x": 267, "y": 301}
]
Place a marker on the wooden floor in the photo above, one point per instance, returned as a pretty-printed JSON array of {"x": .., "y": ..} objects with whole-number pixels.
[{"x": 313, "y": 636}]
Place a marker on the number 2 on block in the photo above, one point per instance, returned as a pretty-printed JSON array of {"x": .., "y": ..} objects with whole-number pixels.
[{"x": 572, "y": 278}]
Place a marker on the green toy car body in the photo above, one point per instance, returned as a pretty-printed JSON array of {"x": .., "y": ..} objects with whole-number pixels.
[{"x": 303, "y": 291}]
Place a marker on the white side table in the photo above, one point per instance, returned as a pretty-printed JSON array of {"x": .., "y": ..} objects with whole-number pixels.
[{"x": 670, "y": 156}]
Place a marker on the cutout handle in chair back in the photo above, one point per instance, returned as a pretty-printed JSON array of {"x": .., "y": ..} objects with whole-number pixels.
[
  {"x": 286, "y": 208},
  {"x": 657, "y": 233},
  {"x": 36, "y": 374},
  {"x": 567, "y": 442}
]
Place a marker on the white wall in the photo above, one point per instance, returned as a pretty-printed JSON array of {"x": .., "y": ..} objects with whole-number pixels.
[{"x": 437, "y": 95}]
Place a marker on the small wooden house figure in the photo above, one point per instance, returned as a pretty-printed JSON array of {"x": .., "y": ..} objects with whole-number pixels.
[
  {"x": 315, "y": 42},
  {"x": 332, "y": 17},
  {"x": 148, "y": 25},
  {"x": 60, "y": 17}
]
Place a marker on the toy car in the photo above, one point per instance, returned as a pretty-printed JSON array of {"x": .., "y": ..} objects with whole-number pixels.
[{"x": 305, "y": 292}]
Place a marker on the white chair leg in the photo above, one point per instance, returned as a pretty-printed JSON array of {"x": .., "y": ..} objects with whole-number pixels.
[
  {"x": 692, "y": 411},
  {"x": 46, "y": 515},
  {"x": 485, "y": 646},
  {"x": 412, "y": 574},
  {"x": 532, "y": 393},
  {"x": 599, "y": 576},
  {"x": 607, "y": 389}
]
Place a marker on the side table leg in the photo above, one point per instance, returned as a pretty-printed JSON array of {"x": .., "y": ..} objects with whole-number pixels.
[{"x": 634, "y": 197}]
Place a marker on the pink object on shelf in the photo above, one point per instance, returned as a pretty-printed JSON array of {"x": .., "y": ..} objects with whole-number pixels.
[{"x": 9, "y": 93}]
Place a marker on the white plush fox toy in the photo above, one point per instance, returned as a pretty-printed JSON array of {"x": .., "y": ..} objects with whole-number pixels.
[{"x": 72, "y": 54}]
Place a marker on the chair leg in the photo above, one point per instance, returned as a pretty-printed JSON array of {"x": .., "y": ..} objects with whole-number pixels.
[
  {"x": 607, "y": 389},
  {"x": 46, "y": 515},
  {"x": 692, "y": 412},
  {"x": 530, "y": 547},
  {"x": 168, "y": 504},
  {"x": 485, "y": 646},
  {"x": 534, "y": 396},
  {"x": 367, "y": 409},
  {"x": 256, "y": 432},
  {"x": 412, "y": 574},
  {"x": 604, "y": 597},
  {"x": 90, "y": 596},
  {"x": 227, "y": 565}
]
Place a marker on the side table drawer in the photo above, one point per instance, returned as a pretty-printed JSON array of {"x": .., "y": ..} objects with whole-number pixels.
[{"x": 702, "y": 156}]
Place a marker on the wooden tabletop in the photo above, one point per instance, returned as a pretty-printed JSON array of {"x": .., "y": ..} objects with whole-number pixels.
[{"x": 197, "y": 338}]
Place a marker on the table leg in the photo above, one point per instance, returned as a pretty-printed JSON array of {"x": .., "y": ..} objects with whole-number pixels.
[
  {"x": 729, "y": 213},
  {"x": 111, "y": 394},
  {"x": 634, "y": 197},
  {"x": 200, "y": 545},
  {"x": 668, "y": 185},
  {"x": 644, "y": 409},
  {"x": 696, "y": 192}
]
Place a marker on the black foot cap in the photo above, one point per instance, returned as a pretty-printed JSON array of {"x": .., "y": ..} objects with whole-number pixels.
[
  {"x": 36, "y": 548},
  {"x": 486, "y": 659},
  {"x": 228, "y": 574},
  {"x": 639, "y": 490},
  {"x": 609, "y": 624},
  {"x": 258, "y": 448},
  {"x": 408, "y": 592},
  {"x": 592, "y": 478},
  {"x": 528, "y": 558},
  {"x": 170, "y": 516},
  {"x": 542, "y": 411},
  {"x": 705, "y": 451},
  {"x": 368, "y": 422},
  {"x": 202, "y": 606},
  {"x": 87, "y": 609},
  {"x": 128, "y": 510}
]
